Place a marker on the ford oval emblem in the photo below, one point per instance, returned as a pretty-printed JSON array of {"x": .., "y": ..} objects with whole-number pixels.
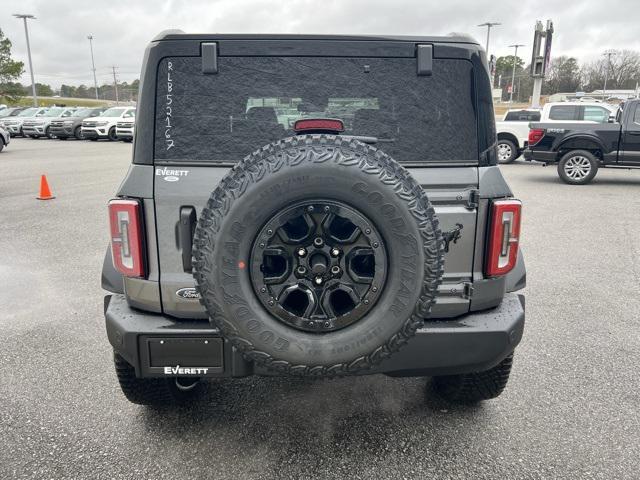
[
  {"x": 188, "y": 293},
  {"x": 171, "y": 178}
]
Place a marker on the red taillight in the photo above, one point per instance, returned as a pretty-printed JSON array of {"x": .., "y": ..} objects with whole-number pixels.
[
  {"x": 535, "y": 135},
  {"x": 504, "y": 236},
  {"x": 310, "y": 124},
  {"x": 126, "y": 237}
]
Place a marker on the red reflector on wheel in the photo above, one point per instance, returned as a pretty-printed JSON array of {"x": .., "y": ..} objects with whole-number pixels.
[
  {"x": 321, "y": 124},
  {"x": 126, "y": 237},
  {"x": 535, "y": 135},
  {"x": 504, "y": 237}
]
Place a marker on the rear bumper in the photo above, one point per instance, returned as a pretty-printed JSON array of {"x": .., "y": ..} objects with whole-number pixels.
[
  {"x": 538, "y": 156},
  {"x": 471, "y": 343}
]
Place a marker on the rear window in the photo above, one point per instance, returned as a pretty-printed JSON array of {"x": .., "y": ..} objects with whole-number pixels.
[
  {"x": 522, "y": 116},
  {"x": 596, "y": 114},
  {"x": 564, "y": 112},
  {"x": 253, "y": 101}
]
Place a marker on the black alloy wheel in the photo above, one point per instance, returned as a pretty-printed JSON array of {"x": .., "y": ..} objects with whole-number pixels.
[{"x": 318, "y": 266}]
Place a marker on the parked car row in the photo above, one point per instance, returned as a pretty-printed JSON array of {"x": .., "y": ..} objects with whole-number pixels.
[{"x": 115, "y": 123}]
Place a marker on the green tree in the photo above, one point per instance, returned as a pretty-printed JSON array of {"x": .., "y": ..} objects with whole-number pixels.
[
  {"x": 504, "y": 71},
  {"x": 42, "y": 90},
  {"x": 10, "y": 70},
  {"x": 563, "y": 76},
  {"x": 67, "y": 91}
]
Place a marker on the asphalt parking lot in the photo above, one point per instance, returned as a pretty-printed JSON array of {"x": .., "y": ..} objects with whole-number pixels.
[{"x": 569, "y": 411}]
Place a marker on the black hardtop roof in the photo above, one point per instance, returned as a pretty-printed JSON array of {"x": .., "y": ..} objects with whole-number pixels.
[{"x": 180, "y": 35}]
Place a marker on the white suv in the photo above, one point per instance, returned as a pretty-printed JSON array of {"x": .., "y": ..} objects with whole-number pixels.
[
  {"x": 104, "y": 126},
  {"x": 125, "y": 127},
  {"x": 14, "y": 124}
]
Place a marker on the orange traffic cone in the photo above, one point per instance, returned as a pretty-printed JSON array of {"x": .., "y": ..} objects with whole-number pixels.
[{"x": 45, "y": 193}]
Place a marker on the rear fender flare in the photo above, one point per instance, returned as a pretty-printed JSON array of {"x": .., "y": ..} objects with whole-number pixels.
[{"x": 581, "y": 142}]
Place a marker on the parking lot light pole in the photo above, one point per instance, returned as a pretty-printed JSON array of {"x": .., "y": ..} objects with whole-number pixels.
[
  {"x": 24, "y": 17},
  {"x": 488, "y": 25},
  {"x": 608, "y": 54},
  {"x": 513, "y": 72},
  {"x": 95, "y": 81}
]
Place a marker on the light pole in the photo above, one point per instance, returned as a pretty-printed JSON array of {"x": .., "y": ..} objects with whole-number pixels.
[
  {"x": 513, "y": 73},
  {"x": 26, "y": 33},
  {"x": 488, "y": 25},
  {"x": 95, "y": 81},
  {"x": 608, "y": 54}
]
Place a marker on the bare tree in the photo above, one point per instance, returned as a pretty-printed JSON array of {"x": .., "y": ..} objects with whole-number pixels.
[{"x": 623, "y": 71}]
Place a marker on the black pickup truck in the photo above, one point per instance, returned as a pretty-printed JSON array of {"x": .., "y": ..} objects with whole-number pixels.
[{"x": 580, "y": 149}]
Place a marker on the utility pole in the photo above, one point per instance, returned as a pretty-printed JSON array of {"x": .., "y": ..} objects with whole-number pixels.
[
  {"x": 24, "y": 17},
  {"x": 488, "y": 25},
  {"x": 513, "y": 73},
  {"x": 115, "y": 83},
  {"x": 93, "y": 65},
  {"x": 608, "y": 54}
]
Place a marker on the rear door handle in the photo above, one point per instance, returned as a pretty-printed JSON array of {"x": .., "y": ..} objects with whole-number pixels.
[{"x": 186, "y": 229}]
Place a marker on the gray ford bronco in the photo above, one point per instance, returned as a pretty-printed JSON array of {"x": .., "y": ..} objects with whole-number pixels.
[{"x": 314, "y": 206}]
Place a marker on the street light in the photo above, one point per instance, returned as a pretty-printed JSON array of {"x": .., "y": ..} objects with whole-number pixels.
[
  {"x": 608, "y": 54},
  {"x": 513, "y": 73},
  {"x": 24, "y": 17},
  {"x": 488, "y": 25},
  {"x": 95, "y": 81}
]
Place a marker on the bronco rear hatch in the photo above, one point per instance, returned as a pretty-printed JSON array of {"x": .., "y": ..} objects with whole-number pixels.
[{"x": 226, "y": 97}]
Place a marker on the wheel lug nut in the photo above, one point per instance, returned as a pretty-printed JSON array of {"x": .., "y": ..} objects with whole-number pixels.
[
  {"x": 302, "y": 252},
  {"x": 269, "y": 232},
  {"x": 375, "y": 289},
  {"x": 366, "y": 302},
  {"x": 263, "y": 289},
  {"x": 301, "y": 270},
  {"x": 335, "y": 252},
  {"x": 375, "y": 244},
  {"x": 318, "y": 242},
  {"x": 335, "y": 270},
  {"x": 310, "y": 208},
  {"x": 271, "y": 302},
  {"x": 326, "y": 208},
  {"x": 318, "y": 280},
  {"x": 367, "y": 231}
]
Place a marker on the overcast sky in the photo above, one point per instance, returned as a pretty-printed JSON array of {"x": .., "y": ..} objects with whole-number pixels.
[{"x": 121, "y": 29}]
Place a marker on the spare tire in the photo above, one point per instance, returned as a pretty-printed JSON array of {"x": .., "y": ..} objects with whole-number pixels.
[{"x": 318, "y": 255}]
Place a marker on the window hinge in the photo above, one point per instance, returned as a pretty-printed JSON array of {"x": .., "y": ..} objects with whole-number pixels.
[{"x": 474, "y": 199}]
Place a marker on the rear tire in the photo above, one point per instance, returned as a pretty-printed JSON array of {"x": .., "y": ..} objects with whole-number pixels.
[
  {"x": 474, "y": 387},
  {"x": 507, "y": 151},
  {"x": 48, "y": 134},
  {"x": 578, "y": 167},
  {"x": 154, "y": 391},
  {"x": 78, "y": 133}
]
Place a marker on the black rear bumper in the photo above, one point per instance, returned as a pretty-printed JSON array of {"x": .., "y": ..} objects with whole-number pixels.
[
  {"x": 156, "y": 345},
  {"x": 540, "y": 156}
]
